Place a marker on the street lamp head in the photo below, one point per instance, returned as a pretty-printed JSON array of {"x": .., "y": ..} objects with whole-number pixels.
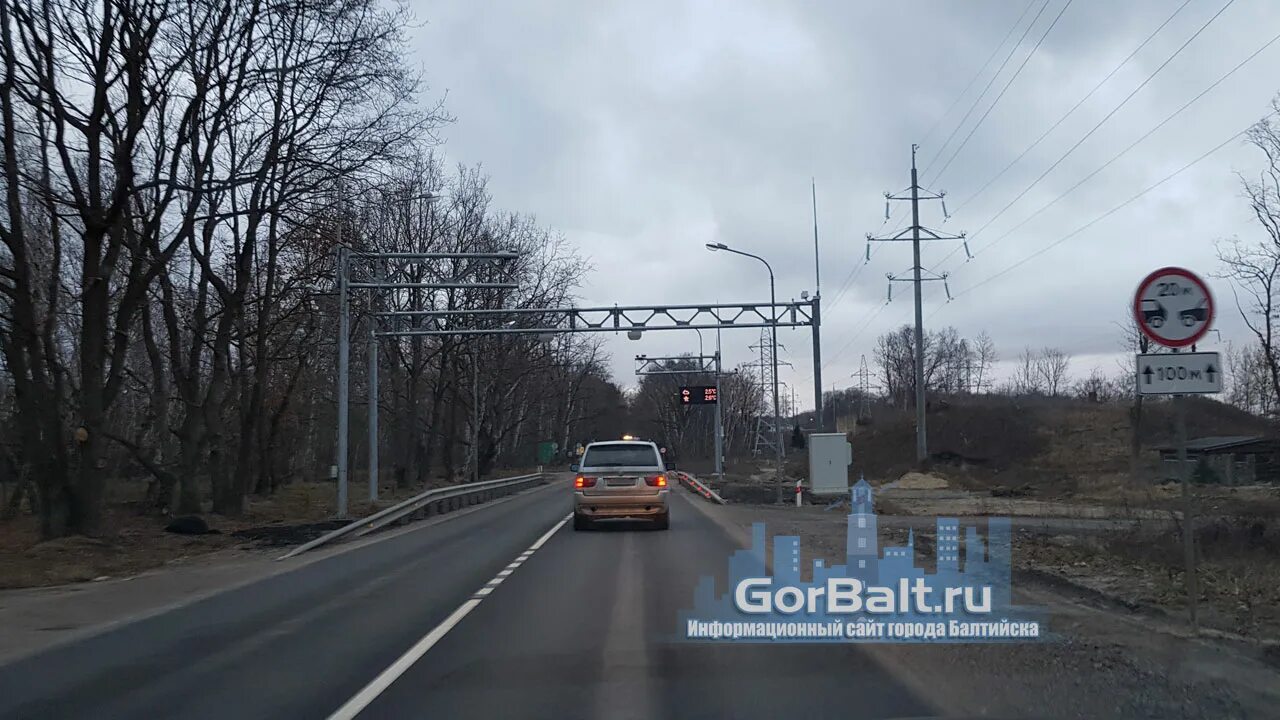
[{"x": 717, "y": 246}]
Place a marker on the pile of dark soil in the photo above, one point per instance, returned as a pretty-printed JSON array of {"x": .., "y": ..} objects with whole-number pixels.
[{"x": 282, "y": 535}]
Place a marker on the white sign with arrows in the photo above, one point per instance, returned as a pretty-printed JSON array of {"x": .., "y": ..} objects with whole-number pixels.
[{"x": 1179, "y": 373}]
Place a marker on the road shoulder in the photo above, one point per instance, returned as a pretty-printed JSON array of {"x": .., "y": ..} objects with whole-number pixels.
[
  {"x": 36, "y": 619},
  {"x": 1116, "y": 659}
]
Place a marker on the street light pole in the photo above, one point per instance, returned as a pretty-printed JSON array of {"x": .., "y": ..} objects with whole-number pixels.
[{"x": 773, "y": 326}]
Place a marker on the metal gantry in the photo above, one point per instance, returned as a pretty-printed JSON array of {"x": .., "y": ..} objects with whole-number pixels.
[
  {"x": 792, "y": 313},
  {"x": 363, "y": 270},
  {"x": 646, "y": 365},
  {"x": 510, "y": 321}
]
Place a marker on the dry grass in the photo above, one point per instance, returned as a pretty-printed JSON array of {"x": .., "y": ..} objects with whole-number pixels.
[
  {"x": 134, "y": 542},
  {"x": 1238, "y": 569},
  {"x": 132, "y": 545}
]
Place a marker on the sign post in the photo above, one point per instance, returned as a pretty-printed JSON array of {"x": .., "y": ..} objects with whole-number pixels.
[{"x": 1174, "y": 308}]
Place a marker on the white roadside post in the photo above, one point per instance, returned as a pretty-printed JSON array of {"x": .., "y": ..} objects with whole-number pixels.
[
  {"x": 799, "y": 491},
  {"x": 1174, "y": 308}
]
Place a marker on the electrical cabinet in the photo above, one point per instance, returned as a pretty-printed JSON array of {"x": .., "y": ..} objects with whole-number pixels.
[{"x": 830, "y": 456}]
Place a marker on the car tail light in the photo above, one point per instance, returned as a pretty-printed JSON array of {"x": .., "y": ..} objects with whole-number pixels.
[
  {"x": 584, "y": 481},
  {"x": 656, "y": 481}
]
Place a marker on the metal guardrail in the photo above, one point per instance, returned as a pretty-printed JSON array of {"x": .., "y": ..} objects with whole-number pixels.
[
  {"x": 696, "y": 485},
  {"x": 415, "y": 504}
]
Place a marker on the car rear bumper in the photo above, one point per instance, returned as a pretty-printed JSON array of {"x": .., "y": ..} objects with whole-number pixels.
[{"x": 620, "y": 505}]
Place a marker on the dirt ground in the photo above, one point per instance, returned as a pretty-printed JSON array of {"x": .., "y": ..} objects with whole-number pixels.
[
  {"x": 1141, "y": 655},
  {"x": 1117, "y": 539},
  {"x": 135, "y": 542}
]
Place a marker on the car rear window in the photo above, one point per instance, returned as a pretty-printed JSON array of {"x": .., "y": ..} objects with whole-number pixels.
[{"x": 620, "y": 456}]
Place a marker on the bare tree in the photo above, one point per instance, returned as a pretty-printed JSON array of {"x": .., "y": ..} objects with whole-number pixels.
[
  {"x": 1051, "y": 367},
  {"x": 985, "y": 358},
  {"x": 1249, "y": 380},
  {"x": 1252, "y": 267},
  {"x": 1026, "y": 380}
]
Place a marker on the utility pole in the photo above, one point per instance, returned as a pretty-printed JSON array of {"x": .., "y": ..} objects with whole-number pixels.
[
  {"x": 915, "y": 230},
  {"x": 817, "y": 296}
]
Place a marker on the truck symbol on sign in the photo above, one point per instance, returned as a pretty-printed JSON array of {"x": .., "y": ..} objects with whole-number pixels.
[
  {"x": 1194, "y": 315},
  {"x": 1154, "y": 314}
]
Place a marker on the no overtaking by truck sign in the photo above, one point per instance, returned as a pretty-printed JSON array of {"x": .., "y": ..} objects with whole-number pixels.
[{"x": 1173, "y": 307}]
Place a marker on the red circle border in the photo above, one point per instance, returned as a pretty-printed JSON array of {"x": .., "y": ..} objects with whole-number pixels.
[{"x": 1194, "y": 279}]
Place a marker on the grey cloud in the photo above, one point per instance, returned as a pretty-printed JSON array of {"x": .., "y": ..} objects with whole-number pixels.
[{"x": 643, "y": 130}]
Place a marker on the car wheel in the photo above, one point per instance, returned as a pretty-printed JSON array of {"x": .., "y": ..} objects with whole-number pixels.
[
  {"x": 663, "y": 522},
  {"x": 580, "y": 522}
]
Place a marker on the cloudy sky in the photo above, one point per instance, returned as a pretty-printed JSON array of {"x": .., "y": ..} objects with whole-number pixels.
[{"x": 643, "y": 130}]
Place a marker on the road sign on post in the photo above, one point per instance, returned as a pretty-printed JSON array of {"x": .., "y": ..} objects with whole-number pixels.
[
  {"x": 1173, "y": 306},
  {"x": 1179, "y": 373}
]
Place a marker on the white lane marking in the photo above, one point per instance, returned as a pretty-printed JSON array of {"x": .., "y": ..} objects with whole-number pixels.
[
  {"x": 547, "y": 536},
  {"x": 357, "y": 704}
]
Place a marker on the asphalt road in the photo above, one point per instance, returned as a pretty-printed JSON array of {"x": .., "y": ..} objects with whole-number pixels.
[{"x": 404, "y": 628}]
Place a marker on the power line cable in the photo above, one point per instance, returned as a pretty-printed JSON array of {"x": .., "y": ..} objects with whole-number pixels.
[
  {"x": 1075, "y": 107},
  {"x": 853, "y": 337},
  {"x": 978, "y": 74},
  {"x": 854, "y": 272},
  {"x": 1103, "y": 121},
  {"x": 1133, "y": 144},
  {"x": 1099, "y": 218},
  {"x": 1003, "y": 90},
  {"x": 990, "y": 82}
]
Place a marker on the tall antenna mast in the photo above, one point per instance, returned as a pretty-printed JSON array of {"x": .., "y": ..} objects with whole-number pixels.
[{"x": 817, "y": 275}]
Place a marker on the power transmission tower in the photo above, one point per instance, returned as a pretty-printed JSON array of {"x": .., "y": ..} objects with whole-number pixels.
[
  {"x": 766, "y": 434},
  {"x": 916, "y": 234},
  {"x": 864, "y": 389}
]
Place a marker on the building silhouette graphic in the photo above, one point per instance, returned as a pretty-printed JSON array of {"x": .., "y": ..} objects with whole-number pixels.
[{"x": 962, "y": 560}]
